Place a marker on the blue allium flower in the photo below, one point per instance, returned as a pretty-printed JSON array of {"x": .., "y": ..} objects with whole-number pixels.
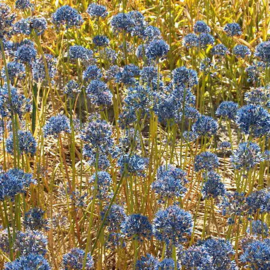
[
  {"x": 170, "y": 182},
  {"x": 224, "y": 146},
  {"x": 122, "y": 22},
  {"x": 15, "y": 71},
  {"x": 146, "y": 263},
  {"x": 26, "y": 54},
  {"x": 148, "y": 74},
  {"x": 227, "y": 109},
  {"x": 184, "y": 77},
  {"x": 205, "y": 126},
  {"x": 232, "y": 29},
  {"x": 99, "y": 93},
  {"x": 256, "y": 254},
  {"x": 6, "y": 20},
  {"x": 167, "y": 264},
  {"x": 26, "y": 143},
  {"x": 13, "y": 182},
  {"x": 72, "y": 88},
  {"x": 127, "y": 74},
  {"x": 151, "y": 32},
  {"x": 258, "y": 201},
  {"x": 97, "y": 134},
  {"x": 75, "y": 259},
  {"x": 26, "y": 26},
  {"x": 101, "y": 182},
  {"x": 79, "y": 52},
  {"x": 133, "y": 164},
  {"x": 213, "y": 187},
  {"x": 258, "y": 228},
  {"x": 137, "y": 227},
  {"x": 23, "y": 4},
  {"x": 253, "y": 120},
  {"x": 219, "y": 50},
  {"x": 156, "y": 49},
  {"x": 95, "y": 10},
  {"x": 241, "y": 51},
  {"x": 196, "y": 257},
  {"x": 56, "y": 124},
  {"x": 18, "y": 103},
  {"x": 39, "y": 70},
  {"x": 258, "y": 96},
  {"x": 205, "y": 40},
  {"x": 253, "y": 73},
  {"x": 101, "y": 41},
  {"x": 67, "y": 16},
  {"x": 39, "y": 25},
  {"x": 34, "y": 219},
  {"x": 30, "y": 242},
  {"x": 191, "y": 113},
  {"x": 220, "y": 251},
  {"x": 22, "y": 27},
  {"x": 262, "y": 51},
  {"x": 246, "y": 156},
  {"x": 201, "y": 27},
  {"x": 172, "y": 225},
  {"x": 91, "y": 73},
  {"x": 139, "y": 24},
  {"x": 206, "y": 161},
  {"x": 190, "y": 41},
  {"x": 190, "y": 136},
  {"x": 115, "y": 217},
  {"x": 29, "y": 262}
]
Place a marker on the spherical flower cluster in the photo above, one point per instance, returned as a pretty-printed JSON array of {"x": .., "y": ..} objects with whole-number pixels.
[
  {"x": 256, "y": 254},
  {"x": 220, "y": 252},
  {"x": 262, "y": 51},
  {"x": 172, "y": 225},
  {"x": 23, "y": 4},
  {"x": 26, "y": 26},
  {"x": 241, "y": 51},
  {"x": 101, "y": 182},
  {"x": 101, "y": 41},
  {"x": 15, "y": 70},
  {"x": 99, "y": 93},
  {"x": 137, "y": 227},
  {"x": 79, "y": 52},
  {"x": 55, "y": 125},
  {"x": 253, "y": 120},
  {"x": 75, "y": 260},
  {"x": 205, "y": 126},
  {"x": 26, "y": 143},
  {"x": 170, "y": 182},
  {"x": 167, "y": 264},
  {"x": 40, "y": 72},
  {"x": 127, "y": 74},
  {"x": 227, "y": 109},
  {"x": 246, "y": 156},
  {"x": 34, "y": 219},
  {"x": 219, "y": 50},
  {"x": 190, "y": 136},
  {"x": 91, "y": 73},
  {"x": 253, "y": 73},
  {"x": 190, "y": 41},
  {"x": 72, "y": 88},
  {"x": 258, "y": 96},
  {"x": 232, "y": 29},
  {"x": 146, "y": 263},
  {"x": 156, "y": 49},
  {"x": 148, "y": 74},
  {"x": 30, "y": 262},
  {"x": 258, "y": 201},
  {"x": 26, "y": 54},
  {"x": 223, "y": 146},
  {"x": 184, "y": 77},
  {"x": 205, "y": 40},
  {"x": 122, "y": 22},
  {"x": 258, "y": 228},
  {"x": 115, "y": 217},
  {"x": 67, "y": 16},
  {"x": 13, "y": 182},
  {"x": 206, "y": 161},
  {"x": 151, "y": 32},
  {"x": 30, "y": 242},
  {"x": 6, "y": 20},
  {"x": 213, "y": 187},
  {"x": 201, "y": 27},
  {"x": 95, "y": 10}
]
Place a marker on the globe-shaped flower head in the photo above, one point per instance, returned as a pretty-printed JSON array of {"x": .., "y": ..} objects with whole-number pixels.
[
  {"x": 232, "y": 29},
  {"x": 56, "y": 124},
  {"x": 206, "y": 161}
]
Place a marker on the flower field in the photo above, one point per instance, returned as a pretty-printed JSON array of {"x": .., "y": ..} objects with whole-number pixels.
[{"x": 134, "y": 135}]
